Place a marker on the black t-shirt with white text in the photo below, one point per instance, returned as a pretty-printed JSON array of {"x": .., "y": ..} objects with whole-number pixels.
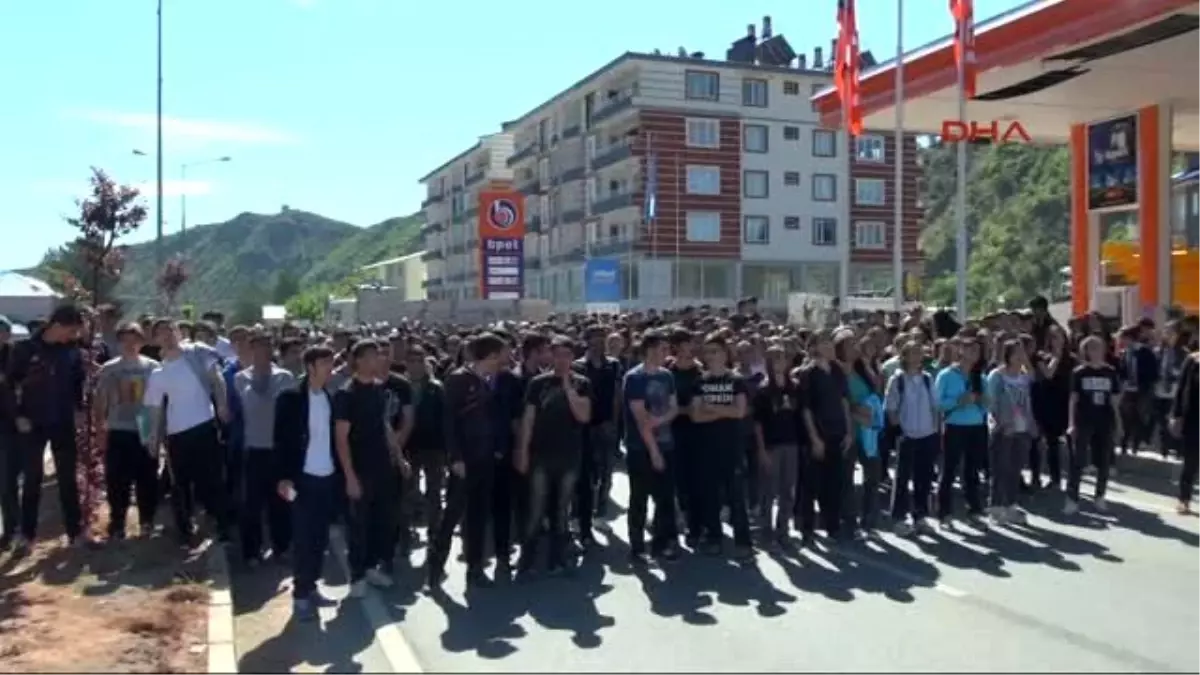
[
  {"x": 774, "y": 410},
  {"x": 1094, "y": 388},
  {"x": 719, "y": 390}
]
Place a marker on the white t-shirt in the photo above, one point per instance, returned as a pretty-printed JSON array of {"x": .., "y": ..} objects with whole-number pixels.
[
  {"x": 225, "y": 348},
  {"x": 318, "y": 457},
  {"x": 188, "y": 401}
]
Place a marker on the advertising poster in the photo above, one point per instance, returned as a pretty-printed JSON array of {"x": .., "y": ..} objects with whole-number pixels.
[
  {"x": 501, "y": 245},
  {"x": 1112, "y": 163},
  {"x": 602, "y": 285}
]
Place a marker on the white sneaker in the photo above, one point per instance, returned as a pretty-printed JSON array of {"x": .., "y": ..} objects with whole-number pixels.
[
  {"x": 358, "y": 589},
  {"x": 379, "y": 578},
  {"x": 902, "y": 529},
  {"x": 998, "y": 514},
  {"x": 1071, "y": 507},
  {"x": 1100, "y": 504},
  {"x": 1015, "y": 515}
]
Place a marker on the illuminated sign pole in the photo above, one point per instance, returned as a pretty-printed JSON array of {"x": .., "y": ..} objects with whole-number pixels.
[{"x": 501, "y": 245}]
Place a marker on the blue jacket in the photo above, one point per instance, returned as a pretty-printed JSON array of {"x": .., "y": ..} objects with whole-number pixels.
[
  {"x": 868, "y": 435},
  {"x": 950, "y": 385}
]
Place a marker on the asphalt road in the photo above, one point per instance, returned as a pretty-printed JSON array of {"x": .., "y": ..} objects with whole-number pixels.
[{"x": 1103, "y": 593}]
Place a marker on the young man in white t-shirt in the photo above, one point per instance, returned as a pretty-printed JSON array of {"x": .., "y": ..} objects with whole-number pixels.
[{"x": 186, "y": 396}]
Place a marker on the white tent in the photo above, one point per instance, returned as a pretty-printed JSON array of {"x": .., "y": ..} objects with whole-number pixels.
[{"x": 23, "y": 299}]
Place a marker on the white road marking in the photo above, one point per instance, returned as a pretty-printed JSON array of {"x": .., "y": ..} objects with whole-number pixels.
[{"x": 388, "y": 636}]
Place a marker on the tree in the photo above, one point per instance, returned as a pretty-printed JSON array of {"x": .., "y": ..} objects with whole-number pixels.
[
  {"x": 109, "y": 213},
  {"x": 247, "y": 310},
  {"x": 170, "y": 280},
  {"x": 287, "y": 284}
]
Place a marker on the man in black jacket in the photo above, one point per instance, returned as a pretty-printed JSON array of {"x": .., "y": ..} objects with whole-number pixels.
[
  {"x": 309, "y": 474},
  {"x": 46, "y": 375},
  {"x": 471, "y": 437}
]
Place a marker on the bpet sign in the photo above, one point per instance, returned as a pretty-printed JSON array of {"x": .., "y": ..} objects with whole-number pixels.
[{"x": 1112, "y": 163}]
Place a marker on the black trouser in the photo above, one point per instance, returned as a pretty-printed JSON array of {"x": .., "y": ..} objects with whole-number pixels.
[
  {"x": 469, "y": 500},
  {"x": 1053, "y": 462},
  {"x": 9, "y": 457},
  {"x": 313, "y": 511},
  {"x": 232, "y": 455},
  {"x": 683, "y": 467},
  {"x": 1137, "y": 411},
  {"x": 551, "y": 490},
  {"x": 915, "y": 460},
  {"x": 1162, "y": 427},
  {"x": 604, "y": 451},
  {"x": 23, "y": 480},
  {"x": 822, "y": 482},
  {"x": 966, "y": 446},
  {"x": 428, "y": 480},
  {"x": 510, "y": 506},
  {"x": 722, "y": 481},
  {"x": 1094, "y": 443},
  {"x": 371, "y": 520},
  {"x": 193, "y": 456},
  {"x": 260, "y": 494},
  {"x": 583, "y": 492},
  {"x": 645, "y": 484},
  {"x": 130, "y": 466},
  {"x": 1191, "y": 457}
]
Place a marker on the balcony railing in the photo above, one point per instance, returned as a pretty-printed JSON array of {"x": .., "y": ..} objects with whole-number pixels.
[
  {"x": 476, "y": 177},
  {"x": 612, "y": 203},
  {"x": 611, "y": 154},
  {"x": 572, "y": 131},
  {"x": 530, "y": 186},
  {"x": 609, "y": 247},
  {"x": 613, "y": 106},
  {"x": 435, "y": 226},
  {"x": 527, "y": 151},
  {"x": 574, "y": 173},
  {"x": 432, "y": 199},
  {"x": 576, "y": 254},
  {"x": 571, "y": 216},
  {"x": 432, "y": 254}
]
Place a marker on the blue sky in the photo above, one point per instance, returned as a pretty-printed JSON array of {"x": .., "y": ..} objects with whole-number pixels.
[{"x": 332, "y": 106}]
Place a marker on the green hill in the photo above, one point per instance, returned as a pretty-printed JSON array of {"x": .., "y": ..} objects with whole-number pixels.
[{"x": 248, "y": 258}]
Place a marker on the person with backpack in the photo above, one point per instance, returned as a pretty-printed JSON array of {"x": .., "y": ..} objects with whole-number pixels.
[
  {"x": 911, "y": 405},
  {"x": 187, "y": 398}
]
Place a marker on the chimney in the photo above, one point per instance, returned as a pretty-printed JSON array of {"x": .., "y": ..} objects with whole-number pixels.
[
  {"x": 766, "y": 28},
  {"x": 750, "y": 31},
  {"x": 802, "y": 62},
  {"x": 818, "y": 64}
]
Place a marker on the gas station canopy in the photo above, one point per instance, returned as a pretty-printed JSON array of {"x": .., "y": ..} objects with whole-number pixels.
[{"x": 1050, "y": 64}]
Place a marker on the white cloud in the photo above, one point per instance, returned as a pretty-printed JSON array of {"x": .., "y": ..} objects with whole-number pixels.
[
  {"x": 177, "y": 127},
  {"x": 171, "y": 188}
]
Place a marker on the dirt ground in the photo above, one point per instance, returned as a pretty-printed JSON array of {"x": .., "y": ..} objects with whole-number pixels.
[{"x": 137, "y": 606}]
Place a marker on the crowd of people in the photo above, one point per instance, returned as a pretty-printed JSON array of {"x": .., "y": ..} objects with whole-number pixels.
[{"x": 510, "y": 434}]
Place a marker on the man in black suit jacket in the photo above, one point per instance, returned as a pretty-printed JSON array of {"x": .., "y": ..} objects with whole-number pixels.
[{"x": 310, "y": 475}]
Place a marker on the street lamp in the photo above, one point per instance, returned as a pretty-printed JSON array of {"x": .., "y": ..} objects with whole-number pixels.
[{"x": 183, "y": 169}]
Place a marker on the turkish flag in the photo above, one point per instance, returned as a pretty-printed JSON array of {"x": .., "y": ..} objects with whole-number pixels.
[{"x": 846, "y": 67}]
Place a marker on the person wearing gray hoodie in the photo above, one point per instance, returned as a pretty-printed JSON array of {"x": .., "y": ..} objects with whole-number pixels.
[{"x": 1013, "y": 429}]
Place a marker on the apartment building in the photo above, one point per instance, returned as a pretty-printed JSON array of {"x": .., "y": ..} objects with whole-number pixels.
[
  {"x": 451, "y": 207},
  {"x": 404, "y": 276},
  {"x": 872, "y": 211},
  {"x": 708, "y": 179}
]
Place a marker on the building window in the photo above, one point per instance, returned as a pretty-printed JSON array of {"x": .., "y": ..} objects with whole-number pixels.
[
  {"x": 704, "y": 226},
  {"x": 813, "y": 91},
  {"x": 791, "y": 178},
  {"x": 756, "y": 230},
  {"x": 791, "y": 88},
  {"x": 754, "y": 93},
  {"x": 824, "y": 143},
  {"x": 791, "y": 222},
  {"x": 870, "y": 192},
  {"x": 870, "y": 149},
  {"x": 824, "y": 231},
  {"x": 703, "y": 180},
  {"x": 791, "y": 133},
  {"x": 824, "y": 187},
  {"x": 702, "y": 85},
  {"x": 870, "y": 234},
  {"x": 754, "y": 138},
  {"x": 756, "y": 184},
  {"x": 703, "y": 132}
]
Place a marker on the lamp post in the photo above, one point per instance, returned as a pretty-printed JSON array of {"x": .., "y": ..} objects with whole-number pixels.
[
  {"x": 183, "y": 169},
  {"x": 158, "y": 172}
]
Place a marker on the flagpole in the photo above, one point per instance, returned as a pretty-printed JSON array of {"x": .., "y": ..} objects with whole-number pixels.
[
  {"x": 960, "y": 256},
  {"x": 898, "y": 158}
]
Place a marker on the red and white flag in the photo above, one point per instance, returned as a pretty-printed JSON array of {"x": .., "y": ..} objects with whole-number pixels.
[
  {"x": 964, "y": 43},
  {"x": 846, "y": 67}
]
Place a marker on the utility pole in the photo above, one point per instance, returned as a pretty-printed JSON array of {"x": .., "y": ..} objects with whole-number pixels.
[{"x": 158, "y": 188}]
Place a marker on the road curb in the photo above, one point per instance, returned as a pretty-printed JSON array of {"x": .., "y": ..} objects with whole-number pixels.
[
  {"x": 222, "y": 657},
  {"x": 395, "y": 647}
]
